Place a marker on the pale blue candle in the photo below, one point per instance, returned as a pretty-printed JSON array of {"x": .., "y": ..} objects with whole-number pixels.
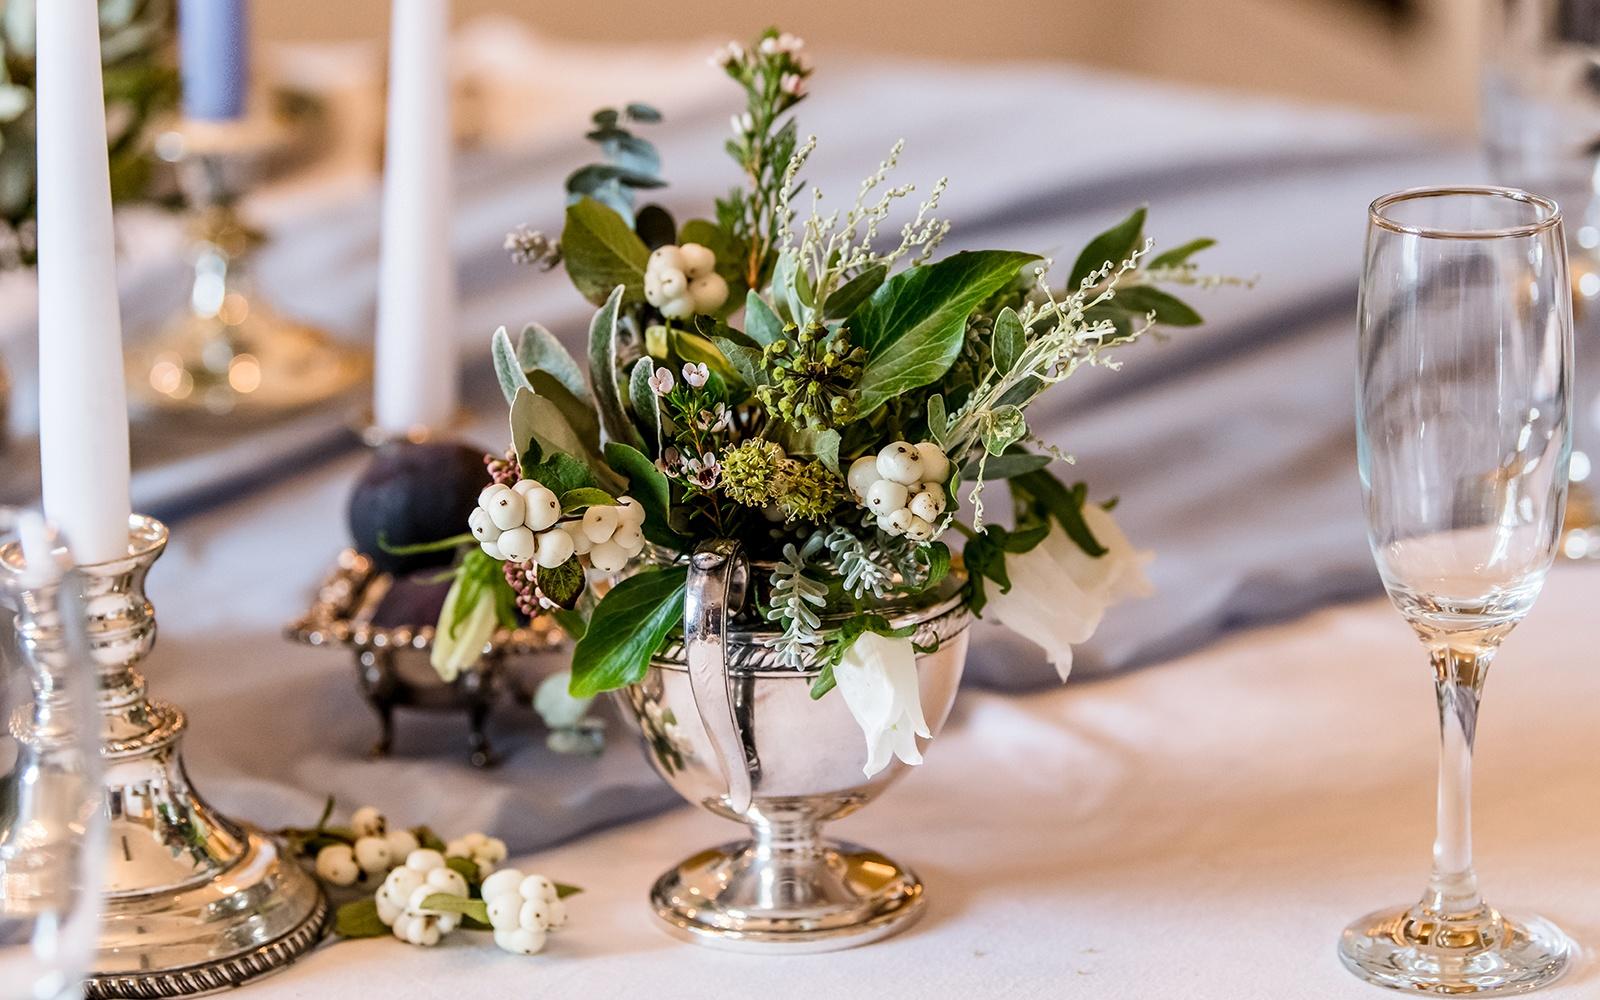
[{"x": 214, "y": 53}]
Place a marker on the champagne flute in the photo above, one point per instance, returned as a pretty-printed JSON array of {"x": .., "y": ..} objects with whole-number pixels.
[{"x": 1463, "y": 439}]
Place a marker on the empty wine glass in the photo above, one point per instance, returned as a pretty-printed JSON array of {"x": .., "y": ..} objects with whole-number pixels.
[
  {"x": 1463, "y": 438},
  {"x": 52, "y": 813}
]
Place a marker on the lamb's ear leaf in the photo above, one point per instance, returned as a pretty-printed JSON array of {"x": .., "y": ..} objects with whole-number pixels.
[
  {"x": 603, "y": 373},
  {"x": 539, "y": 350},
  {"x": 646, "y": 404},
  {"x": 508, "y": 368}
]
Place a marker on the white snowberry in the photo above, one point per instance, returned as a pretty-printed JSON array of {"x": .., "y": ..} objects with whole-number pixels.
[
  {"x": 600, "y": 523},
  {"x": 522, "y": 941},
  {"x": 708, "y": 293},
  {"x": 630, "y": 511},
  {"x": 518, "y": 544},
  {"x": 504, "y": 881},
  {"x": 863, "y": 473},
  {"x": 608, "y": 557},
  {"x": 900, "y": 520},
  {"x": 630, "y": 538},
  {"x": 554, "y": 548},
  {"x": 483, "y": 528},
  {"x": 935, "y": 465},
  {"x": 481, "y": 849},
  {"x": 336, "y": 865},
  {"x": 666, "y": 257},
  {"x": 368, "y": 822},
  {"x": 928, "y": 503},
  {"x": 372, "y": 854},
  {"x": 507, "y": 509},
  {"x": 543, "y": 508},
  {"x": 883, "y": 496},
  {"x": 898, "y": 462},
  {"x": 395, "y": 891},
  {"x": 424, "y": 859},
  {"x": 696, "y": 261},
  {"x": 421, "y": 929},
  {"x": 580, "y": 541},
  {"x": 522, "y": 909},
  {"x": 917, "y": 530},
  {"x": 486, "y": 497},
  {"x": 492, "y": 550},
  {"x": 401, "y": 843}
]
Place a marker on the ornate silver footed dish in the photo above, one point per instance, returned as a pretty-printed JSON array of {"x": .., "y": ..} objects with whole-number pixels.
[
  {"x": 391, "y": 657},
  {"x": 194, "y": 902},
  {"x": 735, "y": 732}
]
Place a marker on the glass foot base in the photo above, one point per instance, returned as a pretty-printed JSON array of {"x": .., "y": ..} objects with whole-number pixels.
[{"x": 1482, "y": 955}]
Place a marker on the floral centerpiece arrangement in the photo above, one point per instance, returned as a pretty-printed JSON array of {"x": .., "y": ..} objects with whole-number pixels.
[
  {"x": 821, "y": 385},
  {"x": 140, "y": 83}
]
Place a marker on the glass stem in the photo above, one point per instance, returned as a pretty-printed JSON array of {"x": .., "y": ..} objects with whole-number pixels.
[{"x": 1458, "y": 680}]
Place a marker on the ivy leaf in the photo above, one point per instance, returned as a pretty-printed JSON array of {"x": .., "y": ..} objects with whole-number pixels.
[
  {"x": 850, "y": 295},
  {"x": 646, "y": 404},
  {"x": 648, "y": 485},
  {"x": 559, "y": 473},
  {"x": 627, "y": 627},
  {"x": 760, "y": 321},
  {"x": 359, "y": 919},
  {"x": 603, "y": 370},
  {"x": 937, "y": 557},
  {"x": 1113, "y": 246},
  {"x": 447, "y": 902},
  {"x": 584, "y": 497},
  {"x": 914, "y": 325},
  {"x": 1005, "y": 466},
  {"x": 1168, "y": 309},
  {"x": 563, "y": 584},
  {"x": 1180, "y": 254},
  {"x": 1065, "y": 505},
  {"x": 1009, "y": 340},
  {"x": 538, "y": 422},
  {"x": 539, "y": 350},
  {"x": 602, "y": 252}
]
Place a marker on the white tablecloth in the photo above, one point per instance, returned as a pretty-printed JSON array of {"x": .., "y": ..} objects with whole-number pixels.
[{"x": 1198, "y": 830}]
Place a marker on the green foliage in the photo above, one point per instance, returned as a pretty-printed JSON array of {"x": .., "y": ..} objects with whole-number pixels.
[
  {"x": 1063, "y": 504},
  {"x": 1110, "y": 248},
  {"x": 602, "y": 252},
  {"x": 849, "y": 631},
  {"x": 603, "y": 355},
  {"x": 912, "y": 327},
  {"x": 627, "y": 627},
  {"x": 631, "y": 163},
  {"x": 648, "y": 485},
  {"x": 563, "y": 584}
]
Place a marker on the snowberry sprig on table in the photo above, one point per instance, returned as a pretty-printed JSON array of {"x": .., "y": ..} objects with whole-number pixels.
[
  {"x": 682, "y": 281},
  {"x": 904, "y": 486},
  {"x": 430, "y": 888}
]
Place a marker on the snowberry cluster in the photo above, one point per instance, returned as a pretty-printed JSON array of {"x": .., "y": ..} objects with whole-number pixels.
[
  {"x": 904, "y": 486},
  {"x": 609, "y": 534},
  {"x": 482, "y": 850},
  {"x": 400, "y": 899},
  {"x": 522, "y": 909},
  {"x": 682, "y": 281},
  {"x": 376, "y": 850},
  {"x": 522, "y": 523}
]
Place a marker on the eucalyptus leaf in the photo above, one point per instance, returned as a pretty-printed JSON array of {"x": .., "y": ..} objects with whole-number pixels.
[
  {"x": 641, "y": 112},
  {"x": 914, "y": 325},
  {"x": 1168, "y": 309},
  {"x": 1113, "y": 246},
  {"x": 627, "y": 627},
  {"x": 603, "y": 371},
  {"x": 602, "y": 252},
  {"x": 539, "y": 350},
  {"x": 1009, "y": 340}
]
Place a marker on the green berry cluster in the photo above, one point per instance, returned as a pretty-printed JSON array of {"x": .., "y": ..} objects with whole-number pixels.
[
  {"x": 751, "y": 471},
  {"x": 807, "y": 491},
  {"x": 811, "y": 377}
]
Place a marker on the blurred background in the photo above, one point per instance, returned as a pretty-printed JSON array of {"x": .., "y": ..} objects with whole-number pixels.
[{"x": 1418, "y": 56}]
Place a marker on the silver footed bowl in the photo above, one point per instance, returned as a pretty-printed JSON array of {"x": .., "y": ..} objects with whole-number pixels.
[{"x": 733, "y": 730}]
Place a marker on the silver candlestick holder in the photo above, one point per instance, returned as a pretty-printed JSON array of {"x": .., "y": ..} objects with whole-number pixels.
[
  {"x": 227, "y": 351},
  {"x": 193, "y": 901}
]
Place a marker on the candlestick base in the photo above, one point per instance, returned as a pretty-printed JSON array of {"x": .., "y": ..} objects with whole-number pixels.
[
  {"x": 193, "y": 902},
  {"x": 228, "y": 352}
]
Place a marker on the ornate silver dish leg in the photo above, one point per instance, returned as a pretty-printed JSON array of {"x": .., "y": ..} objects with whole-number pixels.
[
  {"x": 734, "y": 731},
  {"x": 194, "y": 901}
]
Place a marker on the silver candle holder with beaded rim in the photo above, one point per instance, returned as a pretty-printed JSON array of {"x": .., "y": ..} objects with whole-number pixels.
[{"x": 194, "y": 902}]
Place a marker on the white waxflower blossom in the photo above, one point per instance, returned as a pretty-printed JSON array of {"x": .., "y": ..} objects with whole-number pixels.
[
  {"x": 1059, "y": 593},
  {"x": 877, "y": 678},
  {"x": 662, "y": 381},
  {"x": 695, "y": 373}
]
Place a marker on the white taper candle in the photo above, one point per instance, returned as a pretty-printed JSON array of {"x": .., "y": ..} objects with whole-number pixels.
[
  {"x": 83, "y": 410},
  {"x": 416, "y": 367}
]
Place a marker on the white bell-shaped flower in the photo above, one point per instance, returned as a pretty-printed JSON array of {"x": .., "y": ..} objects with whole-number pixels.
[{"x": 877, "y": 678}]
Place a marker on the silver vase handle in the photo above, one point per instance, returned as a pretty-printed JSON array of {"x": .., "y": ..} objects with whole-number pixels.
[{"x": 718, "y": 575}]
